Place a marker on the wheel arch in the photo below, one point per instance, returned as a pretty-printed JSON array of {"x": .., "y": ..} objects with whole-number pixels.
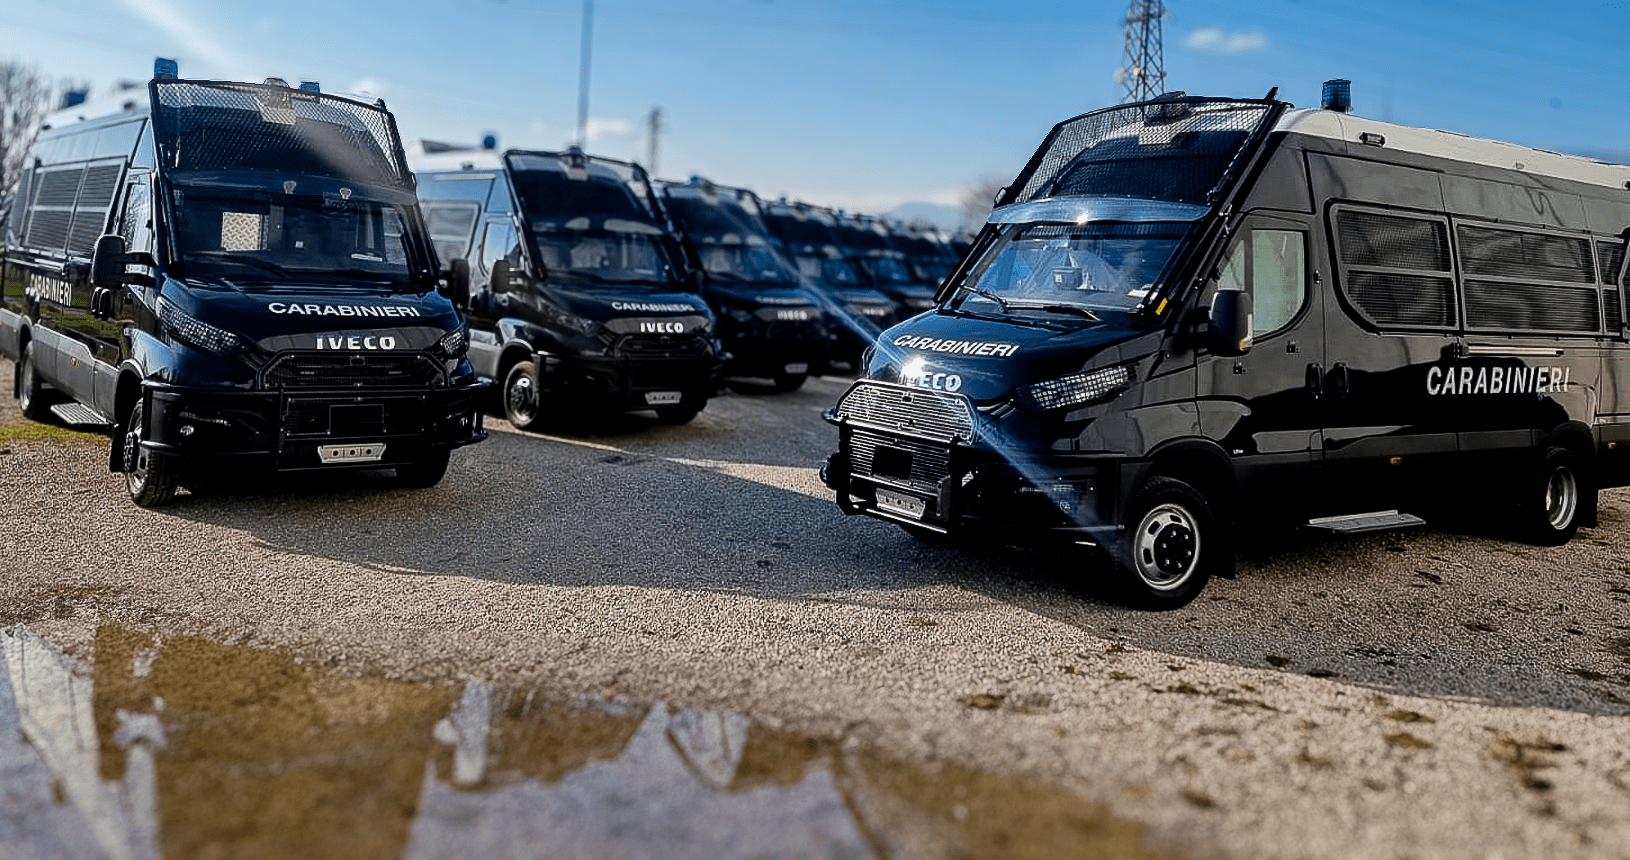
[
  {"x": 125, "y": 394},
  {"x": 1200, "y": 463}
]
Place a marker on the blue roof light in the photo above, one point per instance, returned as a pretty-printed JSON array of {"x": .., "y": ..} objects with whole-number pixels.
[
  {"x": 164, "y": 69},
  {"x": 1338, "y": 96},
  {"x": 310, "y": 87}
]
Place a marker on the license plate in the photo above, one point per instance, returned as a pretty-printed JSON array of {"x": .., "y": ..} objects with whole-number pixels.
[
  {"x": 663, "y": 398},
  {"x": 797, "y": 367},
  {"x": 900, "y": 503},
  {"x": 351, "y": 453}
]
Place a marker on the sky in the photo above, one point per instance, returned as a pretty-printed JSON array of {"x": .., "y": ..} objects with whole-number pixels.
[{"x": 859, "y": 104}]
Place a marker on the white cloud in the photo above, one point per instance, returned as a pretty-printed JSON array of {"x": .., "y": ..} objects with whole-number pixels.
[
  {"x": 370, "y": 85},
  {"x": 604, "y": 129},
  {"x": 1223, "y": 42}
]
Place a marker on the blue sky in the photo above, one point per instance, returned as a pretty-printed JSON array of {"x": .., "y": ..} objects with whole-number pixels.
[{"x": 864, "y": 105}]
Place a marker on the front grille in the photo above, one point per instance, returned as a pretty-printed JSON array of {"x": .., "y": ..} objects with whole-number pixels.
[
  {"x": 657, "y": 376},
  {"x": 354, "y": 416},
  {"x": 900, "y": 459},
  {"x": 661, "y": 346},
  {"x": 795, "y": 330},
  {"x": 898, "y": 409},
  {"x": 352, "y": 370}
]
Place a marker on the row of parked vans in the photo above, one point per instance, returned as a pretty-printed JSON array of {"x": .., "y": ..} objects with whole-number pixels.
[
  {"x": 1187, "y": 319},
  {"x": 226, "y": 275}
]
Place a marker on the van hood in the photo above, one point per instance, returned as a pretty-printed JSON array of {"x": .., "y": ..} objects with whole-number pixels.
[
  {"x": 987, "y": 357},
  {"x": 319, "y": 316},
  {"x": 604, "y": 305}
]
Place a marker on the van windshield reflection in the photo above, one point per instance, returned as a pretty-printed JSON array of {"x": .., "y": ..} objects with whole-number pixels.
[
  {"x": 242, "y": 235},
  {"x": 1071, "y": 268}
]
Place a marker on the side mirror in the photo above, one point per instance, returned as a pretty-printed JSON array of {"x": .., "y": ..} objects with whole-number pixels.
[
  {"x": 458, "y": 282},
  {"x": 498, "y": 278},
  {"x": 1231, "y": 325},
  {"x": 108, "y": 262}
]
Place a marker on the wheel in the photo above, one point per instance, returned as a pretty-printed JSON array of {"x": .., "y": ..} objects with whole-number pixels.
[
  {"x": 1172, "y": 548},
  {"x": 427, "y": 472},
  {"x": 31, "y": 394},
  {"x": 523, "y": 405},
  {"x": 785, "y": 382},
  {"x": 1553, "y": 499},
  {"x": 149, "y": 475},
  {"x": 678, "y": 414}
]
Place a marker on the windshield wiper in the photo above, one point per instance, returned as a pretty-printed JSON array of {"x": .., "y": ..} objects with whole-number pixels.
[
  {"x": 1054, "y": 307},
  {"x": 984, "y": 293},
  {"x": 231, "y": 257}
]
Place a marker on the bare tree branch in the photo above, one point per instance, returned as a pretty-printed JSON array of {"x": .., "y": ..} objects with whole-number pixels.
[{"x": 25, "y": 98}]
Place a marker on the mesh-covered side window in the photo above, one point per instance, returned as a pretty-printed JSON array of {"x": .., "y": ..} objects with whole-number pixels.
[
  {"x": 1396, "y": 269},
  {"x": 20, "y": 203},
  {"x": 53, "y": 210},
  {"x": 1523, "y": 280},
  {"x": 1611, "y": 257},
  {"x": 96, "y": 195},
  {"x": 1517, "y": 254}
]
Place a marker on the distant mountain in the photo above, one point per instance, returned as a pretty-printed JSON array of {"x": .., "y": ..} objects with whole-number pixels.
[{"x": 940, "y": 215}]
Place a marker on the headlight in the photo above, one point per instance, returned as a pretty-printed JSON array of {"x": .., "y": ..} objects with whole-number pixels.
[
  {"x": 1076, "y": 389},
  {"x": 452, "y": 344},
  {"x": 741, "y": 315},
  {"x": 195, "y": 332},
  {"x": 919, "y": 303},
  {"x": 570, "y": 322}
]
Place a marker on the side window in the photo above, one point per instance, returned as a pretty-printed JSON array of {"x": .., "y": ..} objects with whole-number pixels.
[
  {"x": 450, "y": 226},
  {"x": 1528, "y": 280},
  {"x": 1395, "y": 269},
  {"x": 136, "y": 224},
  {"x": 1272, "y": 264},
  {"x": 498, "y": 243},
  {"x": 1612, "y": 259}
]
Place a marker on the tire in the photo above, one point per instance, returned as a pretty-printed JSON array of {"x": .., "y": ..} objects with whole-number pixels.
[
  {"x": 1171, "y": 548},
  {"x": 1553, "y": 501},
  {"x": 678, "y": 414},
  {"x": 427, "y": 472},
  {"x": 785, "y": 382},
  {"x": 150, "y": 476},
  {"x": 523, "y": 401},
  {"x": 32, "y": 398}
]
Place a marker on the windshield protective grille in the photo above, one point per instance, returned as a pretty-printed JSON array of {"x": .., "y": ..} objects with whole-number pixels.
[
  {"x": 1179, "y": 149},
  {"x": 352, "y": 370},
  {"x": 912, "y": 411},
  {"x": 221, "y": 126}
]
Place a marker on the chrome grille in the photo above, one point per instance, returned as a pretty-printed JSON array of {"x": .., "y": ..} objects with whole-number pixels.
[
  {"x": 352, "y": 370},
  {"x": 914, "y": 411},
  {"x": 924, "y": 462}
]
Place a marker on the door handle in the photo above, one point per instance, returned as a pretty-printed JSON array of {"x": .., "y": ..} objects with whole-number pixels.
[
  {"x": 1340, "y": 381},
  {"x": 1315, "y": 380}
]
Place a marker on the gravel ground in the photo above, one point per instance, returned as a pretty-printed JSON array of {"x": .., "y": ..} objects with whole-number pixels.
[{"x": 1418, "y": 694}]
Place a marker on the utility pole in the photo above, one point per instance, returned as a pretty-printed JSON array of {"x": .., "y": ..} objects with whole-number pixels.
[
  {"x": 655, "y": 120},
  {"x": 583, "y": 75},
  {"x": 1143, "y": 71}
]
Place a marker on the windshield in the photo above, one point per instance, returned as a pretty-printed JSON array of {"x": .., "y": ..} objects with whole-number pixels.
[
  {"x": 754, "y": 261},
  {"x": 237, "y": 234},
  {"x": 1068, "y": 268},
  {"x": 833, "y": 269},
  {"x": 601, "y": 256}
]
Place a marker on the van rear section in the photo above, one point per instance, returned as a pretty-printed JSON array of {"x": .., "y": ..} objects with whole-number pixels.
[
  {"x": 235, "y": 279},
  {"x": 1194, "y": 319}
]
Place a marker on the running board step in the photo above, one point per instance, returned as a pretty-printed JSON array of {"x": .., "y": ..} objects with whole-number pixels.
[
  {"x": 78, "y": 414},
  {"x": 1359, "y": 523}
]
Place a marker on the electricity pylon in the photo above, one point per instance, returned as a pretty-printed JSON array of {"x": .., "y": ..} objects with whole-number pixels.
[{"x": 1143, "y": 72}]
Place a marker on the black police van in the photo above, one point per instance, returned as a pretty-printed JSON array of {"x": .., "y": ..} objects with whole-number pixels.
[
  {"x": 866, "y": 240},
  {"x": 771, "y": 324},
  {"x": 856, "y": 313},
  {"x": 581, "y": 301},
  {"x": 1192, "y": 316},
  {"x": 229, "y": 276}
]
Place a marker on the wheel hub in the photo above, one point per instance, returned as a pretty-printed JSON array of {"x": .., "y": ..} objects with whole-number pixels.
[{"x": 1167, "y": 546}]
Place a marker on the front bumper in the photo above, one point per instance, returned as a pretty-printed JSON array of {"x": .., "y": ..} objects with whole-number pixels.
[
  {"x": 626, "y": 384},
  {"x": 301, "y": 429}
]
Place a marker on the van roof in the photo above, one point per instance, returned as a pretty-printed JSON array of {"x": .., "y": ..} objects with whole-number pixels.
[{"x": 1333, "y": 125}]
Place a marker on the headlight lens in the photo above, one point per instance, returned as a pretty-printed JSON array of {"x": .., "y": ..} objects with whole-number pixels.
[
  {"x": 571, "y": 322},
  {"x": 453, "y": 344},
  {"x": 192, "y": 331},
  {"x": 1076, "y": 389}
]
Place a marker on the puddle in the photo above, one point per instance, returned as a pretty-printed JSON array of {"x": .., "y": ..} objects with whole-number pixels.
[{"x": 183, "y": 747}]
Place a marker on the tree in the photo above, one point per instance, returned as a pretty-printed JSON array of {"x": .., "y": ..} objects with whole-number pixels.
[
  {"x": 978, "y": 200},
  {"x": 25, "y": 98}
]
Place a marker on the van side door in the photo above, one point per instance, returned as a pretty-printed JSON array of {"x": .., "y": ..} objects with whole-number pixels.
[
  {"x": 1393, "y": 324},
  {"x": 490, "y": 301},
  {"x": 1263, "y": 407}
]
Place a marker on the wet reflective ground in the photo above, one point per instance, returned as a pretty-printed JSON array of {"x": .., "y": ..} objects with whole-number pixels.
[{"x": 152, "y": 746}]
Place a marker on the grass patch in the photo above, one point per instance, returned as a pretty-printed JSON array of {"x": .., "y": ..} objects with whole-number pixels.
[{"x": 31, "y": 431}]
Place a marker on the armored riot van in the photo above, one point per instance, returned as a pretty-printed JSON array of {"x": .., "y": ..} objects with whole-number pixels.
[
  {"x": 856, "y": 313},
  {"x": 866, "y": 240},
  {"x": 1192, "y": 317},
  {"x": 581, "y": 301},
  {"x": 226, "y": 276},
  {"x": 771, "y": 325}
]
